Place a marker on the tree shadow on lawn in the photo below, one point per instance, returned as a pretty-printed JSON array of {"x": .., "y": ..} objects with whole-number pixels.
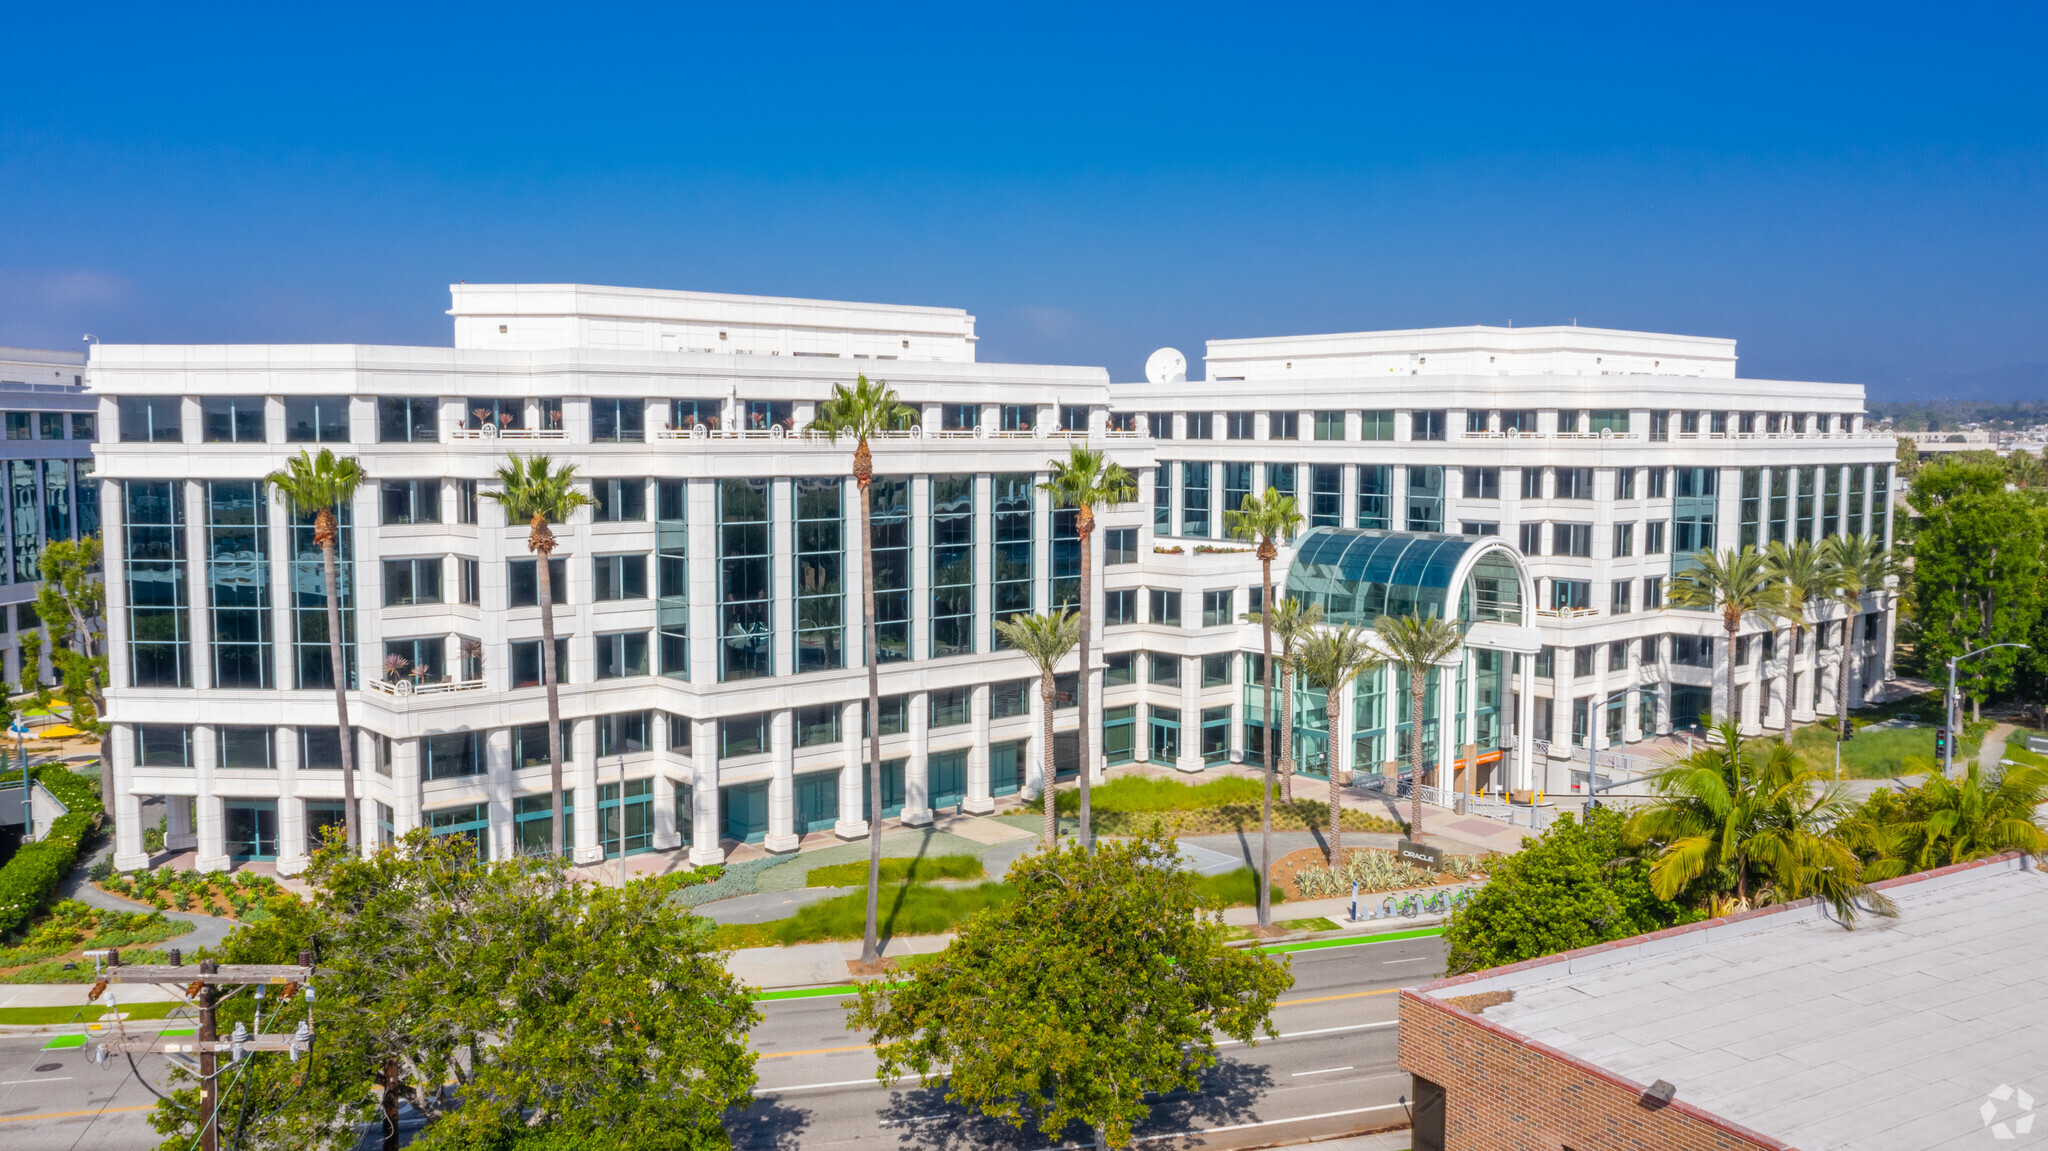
[{"x": 1229, "y": 1093}]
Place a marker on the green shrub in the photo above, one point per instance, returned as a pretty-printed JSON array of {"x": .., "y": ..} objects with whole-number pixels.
[
  {"x": 1376, "y": 871},
  {"x": 1144, "y": 793},
  {"x": 907, "y": 909},
  {"x": 37, "y": 868},
  {"x": 898, "y": 870}
]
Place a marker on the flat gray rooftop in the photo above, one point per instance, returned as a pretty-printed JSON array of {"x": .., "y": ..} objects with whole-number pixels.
[{"x": 1891, "y": 1037}]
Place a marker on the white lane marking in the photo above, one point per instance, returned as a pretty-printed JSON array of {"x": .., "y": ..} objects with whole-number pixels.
[
  {"x": 870, "y": 1081},
  {"x": 1324, "y": 1071},
  {"x": 912, "y": 1119},
  {"x": 1318, "y": 1031},
  {"x": 1241, "y": 1126},
  {"x": 17, "y": 1082},
  {"x": 1416, "y": 959}
]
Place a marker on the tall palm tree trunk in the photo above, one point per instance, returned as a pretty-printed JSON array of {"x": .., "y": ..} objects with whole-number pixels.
[
  {"x": 543, "y": 545},
  {"x": 1048, "y": 695},
  {"x": 1733, "y": 625},
  {"x": 1842, "y": 684},
  {"x": 1287, "y": 733},
  {"x": 1785, "y": 734},
  {"x": 1418, "y": 685},
  {"x": 1266, "y": 778},
  {"x": 340, "y": 664},
  {"x": 864, "y": 476},
  {"x": 1331, "y": 696},
  {"x": 1084, "y": 526}
]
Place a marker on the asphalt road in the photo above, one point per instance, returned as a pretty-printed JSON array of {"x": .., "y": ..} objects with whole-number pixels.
[{"x": 1331, "y": 1071}]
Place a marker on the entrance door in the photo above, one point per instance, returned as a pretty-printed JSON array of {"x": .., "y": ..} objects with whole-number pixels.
[
  {"x": 817, "y": 801},
  {"x": 252, "y": 829},
  {"x": 746, "y": 812},
  {"x": 947, "y": 774}
]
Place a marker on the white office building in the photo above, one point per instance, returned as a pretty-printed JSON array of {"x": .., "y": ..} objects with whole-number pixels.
[{"x": 1538, "y": 485}]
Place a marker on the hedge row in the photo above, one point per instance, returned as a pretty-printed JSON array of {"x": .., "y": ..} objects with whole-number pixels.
[{"x": 32, "y": 876}]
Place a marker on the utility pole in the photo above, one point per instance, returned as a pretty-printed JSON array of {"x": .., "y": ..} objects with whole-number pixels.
[{"x": 204, "y": 991}]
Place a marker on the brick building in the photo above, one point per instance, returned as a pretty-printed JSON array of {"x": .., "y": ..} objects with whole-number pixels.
[{"x": 1770, "y": 1029}]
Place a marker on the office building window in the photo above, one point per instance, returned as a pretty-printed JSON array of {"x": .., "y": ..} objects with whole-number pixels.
[
  {"x": 1531, "y": 539},
  {"x": 1066, "y": 558},
  {"x": 1376, "y": 425},
  {"x": 469, "y": 581},
  {"x": 1119, "y": 546},
  {"x": 1073, "y": 418},
  {"x": 1653, "y": 593},
  {"x": 409, "y": 502},
  {"x": 1475, "y": 421},
  {"x": 1375, "y": 496},
  {"x": 766, "y": 415},
  {"x": 1216, "y": 608},
  {"x": 1022, "y": 417},
  {"x": 1427, "y": 425},
  {"x": 1216, "y": 670},
  {"x": 1585, "y": 660},
  {"x": 1329, "y": 425},
  {"x": 410, "y": 582},
  {"x": 1283, "y": 426},
  {"x": 615, "y": 501},
  {"x": 1011, "y": 698},
  {"x": 622, "y": 733},
  {"x": 1425, "y": 498},
  {"x": 522, "y": 582},
  {"x": 1624, "y": 540},
  {"x": 1571, "y": 540},
  {"x": 618, "y": 577},
  {"x": 1659, "y": 482},
  {"x": 1573, "y": 483},
  {"x": 465, "y": 501},
  {"x": 952, "y": 559},
  {"x": 407, "y": 420},
  {"x": 743, "y": 735},
  {"x": 499, "y": 413},
  {"x": 1165, "y": 607},
  {"x": 1119, "y": 607},
  {"x": 1546, "y": 661},
  {"x": 1692, "y": 651},
  {"x": 745, "y": 609},
  {"x": 1624, "y": 483},
  {"x": 1117, "y": 669},
  {"x": 1326, "y": 495},
  {"x": 1479, "y": 528},
  {"x": 1532, "y": 483},
  {"x": 820, "y": 574},
  {"x": 889, "y": 512},
  {"x": 527, "y": 666},
  {"x": 238, "y": 583},
  {"x": 1159, "y": 425},
  {"x": 1571, "y": 595},
  {"x": 686, "y": 415},
  {"x": 151, "y": 419},
  {"x": 1646, "y": 651},
  {"x": 1660, "y": 426},
  {"x": 1831, "y": 501},
  {"x": 1752, "y": 505},
  {"x": 817, "y": 726},
  {"x": 1194, "y": 496},
  {"x": 947, "y": 707},
  {"x": 1162, "y": 498},
  {"x": 1237, "y": 487},
  {"x": 1199, "y": 425},
  {"x": 615, "y": 421},
  {"x": 224, "y": 420},
  {"x": 311, "y": 420},
  {"x": 1239, "y": 425},
  {"x": 1618, "y": 601},
  {"x": 452, "y": 754},
  {"x": 422, "y": 659},
  {"x": 1165, "y": 669},
  {"x": 1610, "y": 420},
  {"x": 1011, "y": 589},
  {"x": 1653, "y": 538},
  {"x": 1482, "y": 483},
  {"x": 315, "y": 668},
  {"x": 959, "y": 417}
]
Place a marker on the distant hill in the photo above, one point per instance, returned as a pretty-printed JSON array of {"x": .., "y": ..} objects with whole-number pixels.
[{"x": 2013, "y": 383}]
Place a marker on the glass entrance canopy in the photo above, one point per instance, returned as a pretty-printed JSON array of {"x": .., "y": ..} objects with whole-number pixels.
[{"x": 1359, "y": 575}]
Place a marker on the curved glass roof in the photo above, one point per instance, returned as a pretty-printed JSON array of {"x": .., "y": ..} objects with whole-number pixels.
[{"x": 1359, "y": 574}]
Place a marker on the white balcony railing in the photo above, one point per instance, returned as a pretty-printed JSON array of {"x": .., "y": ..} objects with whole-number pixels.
[
  {"x": 488, "y": 432},
  {"x": 1566, "y": 612},
  {"x": 707, "y": 436},
  {"x": 407, "y": 689}
]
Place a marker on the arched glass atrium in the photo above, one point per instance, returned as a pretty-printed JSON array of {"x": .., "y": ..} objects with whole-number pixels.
[{"x": 1359, "y": 575}]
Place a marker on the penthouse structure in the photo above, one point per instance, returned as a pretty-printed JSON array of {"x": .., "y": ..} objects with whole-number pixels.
[{"x": 714, "y": 685}]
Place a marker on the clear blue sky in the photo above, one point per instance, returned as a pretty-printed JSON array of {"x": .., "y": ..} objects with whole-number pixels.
[{"x": 1852, "y": 191}]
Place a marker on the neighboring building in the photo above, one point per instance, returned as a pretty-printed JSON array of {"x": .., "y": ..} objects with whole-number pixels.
[
  {"x": 46, "y": 470},
  {"x": 1771, "y": 1029},
  {"x": 717, "y": 562}
]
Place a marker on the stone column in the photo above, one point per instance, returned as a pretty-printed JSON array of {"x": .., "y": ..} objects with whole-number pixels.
[
  {"x": 979, "y": 801},
  {"x": 212, "y": 820},
  {"x": 917, "y": 792},
  {"x": 920, "y": 567},
  {"x": 291, "y": 811},
  {"x": 128, "y": 853},
  {"x": 580, "y": 779},
  {"x": 782, "y": 833},
  {"x": 196, "y": 551},
  {"x": 1190, "y": 759},
  {"x": 704, "y": 837},
  {"x": 180, "y": 830},
  {"x": 853, "y": 738},
  {"x": 668, "y": 835}
]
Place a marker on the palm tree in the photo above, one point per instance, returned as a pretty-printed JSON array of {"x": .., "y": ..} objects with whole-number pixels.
[
  {"x": 1331, "y": 660},
  {"x": 1766, "y": 826},
  {"x": 1417, "y": 644},
  {"x": 1046, "y": 640},
  {"x": 1738, "y": 584},
  {"x": 535, "y": 490},
  {"x": 1801, "y": 570},
  {"x": 320, "y": 484},
  {"x": 1084, "y": 481},
  {"x": 1292, "y": 622},
  {"x": 1858, "y": 564},
  {"x": 1946, "y": 821},
  {"x": 1269, "y": 519},
  {"x": 863, "y": 412},
  {"x": 2025, "y": 469}
]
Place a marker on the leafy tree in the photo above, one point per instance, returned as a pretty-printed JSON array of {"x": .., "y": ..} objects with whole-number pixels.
[
  {"x": 1084, "y": 481},
  {"x": 1858, "y": 564},
  {"x": 1946, "y": 821},
  {"x": 1331, "y": 660},
  {"x": 1046, "y": 639},
  {"x": 318, "y": 485},
  {"x": 864, "y": 412},
  {"x": 1736, "y": 583},
  {"x": 1805, "y": 577},
  {"x": 535, "y": 490},
  {"x": 1107, "y": 978},
  {"x": 1750, "y": 823},
  {"x": 558, "y": 1011},
  {"x": 1270, "y": 519},
  {"x": 1577, "y": 886},
  {"x": 1907, "y": 455},
  {"x": 1977, "y": 570},
  {"x": 1416, "y": 644}
]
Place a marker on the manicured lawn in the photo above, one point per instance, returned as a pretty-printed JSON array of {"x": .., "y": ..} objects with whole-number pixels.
[
  {"x": 1875, "y": 753},
  {"x": 897, "y": 870},
  {"x": 1143, "y": 793},
  {"x": 1131, "y": 804}
]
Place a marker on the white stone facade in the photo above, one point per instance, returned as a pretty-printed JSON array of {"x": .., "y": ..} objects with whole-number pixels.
[{"x": 713, "y": 702}]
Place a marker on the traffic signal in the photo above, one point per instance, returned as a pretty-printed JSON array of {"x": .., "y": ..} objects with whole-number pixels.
[{"x": 1940, "y": 741}]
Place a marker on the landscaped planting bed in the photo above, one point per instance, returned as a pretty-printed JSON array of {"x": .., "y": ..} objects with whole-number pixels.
[
  {"x": 1306, "y": 874},
  {"x": 1131, "y": 804},
  {"x": 63, "y": 934},
  {"x": 239, "y": 896}
]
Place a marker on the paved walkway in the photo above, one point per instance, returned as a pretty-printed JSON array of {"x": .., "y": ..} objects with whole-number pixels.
[
  {"x": 207, "y": 930},
  {"x": 1994, "y": 748}
]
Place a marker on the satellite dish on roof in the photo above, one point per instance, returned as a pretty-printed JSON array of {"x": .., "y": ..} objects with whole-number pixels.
[{"x": 1166, "y": 366}]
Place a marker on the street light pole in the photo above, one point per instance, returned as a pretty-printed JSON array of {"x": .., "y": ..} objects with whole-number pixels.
[
  {"x": 1948, "y": 706},
  {"x": 1592, "y": 758}
]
